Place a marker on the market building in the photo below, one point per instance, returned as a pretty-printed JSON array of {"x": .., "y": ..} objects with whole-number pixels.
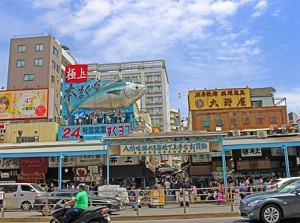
[{"x": 242, "y": 113}]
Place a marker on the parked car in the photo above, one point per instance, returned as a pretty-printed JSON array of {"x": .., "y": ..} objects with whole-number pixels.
[
  {"x": 273, "y": 206},
  {"x": 21, "y": 195},
  {"x": 41, "y": 201}
]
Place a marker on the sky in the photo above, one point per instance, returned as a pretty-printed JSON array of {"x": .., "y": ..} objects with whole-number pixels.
[{"x": 205, "y": 43}]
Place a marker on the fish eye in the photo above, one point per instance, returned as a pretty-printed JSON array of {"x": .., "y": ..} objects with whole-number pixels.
[{"x": 136, "y": 87}]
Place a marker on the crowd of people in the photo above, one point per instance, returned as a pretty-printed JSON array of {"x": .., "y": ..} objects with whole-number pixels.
[{"x": 214, "y": 190}]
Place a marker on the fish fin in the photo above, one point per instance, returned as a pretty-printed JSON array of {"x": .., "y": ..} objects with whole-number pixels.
[{"x": 117, "y": 92}]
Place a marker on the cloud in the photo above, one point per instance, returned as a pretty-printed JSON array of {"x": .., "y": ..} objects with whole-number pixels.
[
  {"x": 212, "y": 42},
  {"x": 260, "y": 8}
]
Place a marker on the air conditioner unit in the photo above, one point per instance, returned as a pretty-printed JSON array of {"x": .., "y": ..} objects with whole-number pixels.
[
  {"x": 236, "y": 133},
  {"x": 262, "y": 134}
]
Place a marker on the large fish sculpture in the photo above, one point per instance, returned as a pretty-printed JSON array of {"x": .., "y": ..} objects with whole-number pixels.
[{"x": 111, "y": 96}]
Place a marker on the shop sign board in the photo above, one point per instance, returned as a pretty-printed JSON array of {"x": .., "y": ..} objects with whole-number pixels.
[
  {"x": 219, "y": 99},
  {"x": 67, "y": 161},
  {"x": 165, "y": 148},
  {"x": 5, "y": 175},
  {"x": 89, "y": 160},
  {"x": 10, "y": 163},
  {"x": 31, "y": 165},
  {"x": 128, "y": 160},
  {"x": 201, "y": 158},
  {"x": 32, "y": 176},
  {"x": 279, "y": 151},
  {"x": 93, "y": 131},
  {"x": 251, "y": 152}
]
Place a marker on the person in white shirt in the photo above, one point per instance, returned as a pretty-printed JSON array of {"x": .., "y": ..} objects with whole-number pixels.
[
  {"x": 193, "y": 191},
  {"x": 2, "y": 198},
  {"x": 167, "y": 187}
]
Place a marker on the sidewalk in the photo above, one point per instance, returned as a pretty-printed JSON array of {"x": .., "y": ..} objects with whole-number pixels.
[{"x": 170, "y": 211}]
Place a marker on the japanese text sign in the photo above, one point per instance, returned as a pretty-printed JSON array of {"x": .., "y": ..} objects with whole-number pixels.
[
  {"x": 219, "y": 99},
  {"x": 251, "y": 152},
  {"x": 76, "y": 73},
  {"x": 165, "y": 148}
]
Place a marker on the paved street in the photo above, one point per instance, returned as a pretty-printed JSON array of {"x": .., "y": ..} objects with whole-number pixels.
[{"x": 169, "y": 211}]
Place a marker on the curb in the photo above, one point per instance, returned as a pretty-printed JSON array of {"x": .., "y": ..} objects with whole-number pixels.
[{"x": 137, "y": 217}]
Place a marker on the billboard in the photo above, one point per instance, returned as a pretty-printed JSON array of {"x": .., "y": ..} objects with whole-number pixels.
[
  {"x": 24, "y": 104},
  {"x": 34, "y": 165},
  {"x": 76, "y": 73},
  {"x": 93, "y": 131},
  {"x": 219, "y": 99}
]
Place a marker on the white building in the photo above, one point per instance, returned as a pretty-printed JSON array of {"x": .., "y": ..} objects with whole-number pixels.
[{"x": 152, "y": 74}]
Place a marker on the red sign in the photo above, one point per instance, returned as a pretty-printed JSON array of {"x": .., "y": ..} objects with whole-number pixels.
[
  {"x": 76, "y": 73},
  {"x": 34, "y": 165}
]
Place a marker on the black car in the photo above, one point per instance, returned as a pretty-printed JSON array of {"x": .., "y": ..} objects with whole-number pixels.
[
  {"x": 45, "y": 203},
  {"x": 272, "y": 207}
]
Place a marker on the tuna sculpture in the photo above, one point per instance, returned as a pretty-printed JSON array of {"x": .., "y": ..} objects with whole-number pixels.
[{"x": 114, "y": 95}]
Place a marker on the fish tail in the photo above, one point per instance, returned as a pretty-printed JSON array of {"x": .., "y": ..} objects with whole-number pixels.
[{"x": 69, "y": 107}]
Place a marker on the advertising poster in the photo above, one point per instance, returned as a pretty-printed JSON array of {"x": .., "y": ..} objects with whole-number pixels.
[
  {"x": 29, "y": 104},
  {"x": 10, "y": 163},
  {"x": 34, "y": 165}
]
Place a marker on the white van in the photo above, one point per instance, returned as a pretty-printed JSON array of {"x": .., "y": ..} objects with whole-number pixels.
[{"x": 21, "y": 195}]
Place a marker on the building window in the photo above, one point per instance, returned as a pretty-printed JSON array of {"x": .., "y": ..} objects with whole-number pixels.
[
  {"x": 52, "y": 79},
  {"x": 256, "y": 104},
  {"x": 247, "y": 120},
  {"x": 53, "y": 64},
  {"x": 260, "y": 120},
  {"x": 149, "y": 100},
  {"x": 158, "y": 99},
  {"x": 158, "y": 111},
  {"x": 273, "y": 119},
  {"x": 55, "y": 51},
  {"x": 206, "y": 122},
  {"x": 151, "y": 111},
  {"x": 39, "y": 47},
  {"x": 38, "y": 62},
  {"x": 28, "y": 77},
  {"x": 156, "y": 77},
  {"x": 157, "y": 88},
  {"x": 234, "y": 120},
  {"x": 21, "y": 48},
  {"x": 219, "y": 122},
  {"x": 20, "y": 63},
  {"x": 57, "y": 68},
  {"x": 149, "y": 78},
  {"x": 149, "y": 89}
]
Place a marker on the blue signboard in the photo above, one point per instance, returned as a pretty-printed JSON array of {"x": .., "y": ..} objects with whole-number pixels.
[{"x": 93, "y": 132}]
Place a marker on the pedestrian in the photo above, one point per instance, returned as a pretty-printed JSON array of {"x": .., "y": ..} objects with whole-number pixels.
[
  {"x": 219, "y": 197},
  {"x": 133, "y": 197},
  {"x": 167, "y": 187},
  {"x": 2, "y": 199},
  {"x": 243, "y": 191},
  {"x": 193, "y": 193}
]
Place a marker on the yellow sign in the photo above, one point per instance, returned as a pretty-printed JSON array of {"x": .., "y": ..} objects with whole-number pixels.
[
  {"x": 31, "y": 176},
  {"x": 219, "y": 99},
  {"x": 24, "y": 104},
  {"x": 165, "y": 148}
]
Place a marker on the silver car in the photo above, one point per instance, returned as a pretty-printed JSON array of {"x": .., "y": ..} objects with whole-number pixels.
[{"x": 273, "y": 206}]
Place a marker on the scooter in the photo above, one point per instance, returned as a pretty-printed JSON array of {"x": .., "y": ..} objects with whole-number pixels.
[{"x": 97, "y": 214}]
